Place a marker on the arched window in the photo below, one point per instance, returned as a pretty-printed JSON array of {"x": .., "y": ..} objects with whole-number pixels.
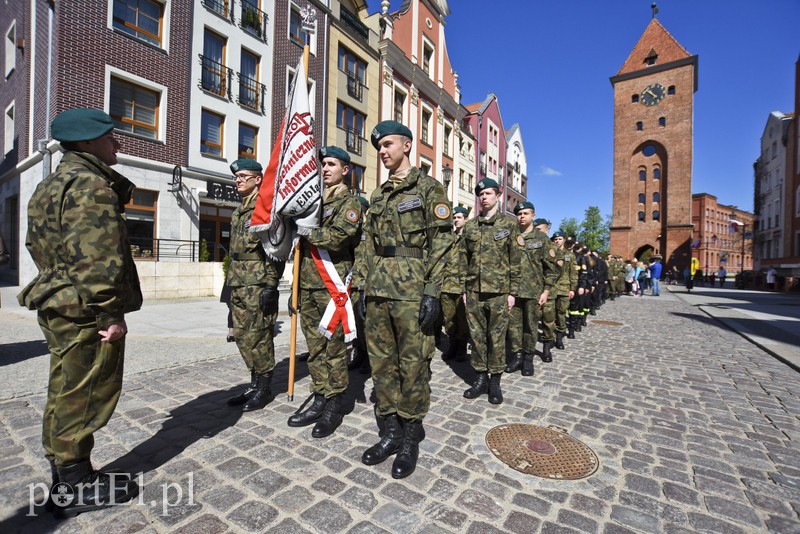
[
  {"x": 649, "y": 150},
  {"x": 657, "y": 173},
  {"x": 639, "y": 126},
  {"x": 656, "y": 197},
  {"x": 642, "y": 175},
  {"x": 641, "y": 216},
  {"x": 635, "y": 98},
  {"x": 656, "y": 215},
  {"x": 662, "y": 121},
  {"x": 641, "y": 198}
]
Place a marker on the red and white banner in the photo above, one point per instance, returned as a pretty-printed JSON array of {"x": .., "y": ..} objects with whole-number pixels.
[
  {"x": 340, "y": 307},
  {"x": 290, "y": 198}
]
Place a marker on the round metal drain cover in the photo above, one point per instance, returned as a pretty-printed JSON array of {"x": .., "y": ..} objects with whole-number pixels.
[
  {"x": 607, "y": 323},
  {"x": 543, "y": 452}
]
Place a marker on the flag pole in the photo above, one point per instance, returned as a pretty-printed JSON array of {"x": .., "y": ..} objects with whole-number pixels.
[{"x": 296, "y": 266}]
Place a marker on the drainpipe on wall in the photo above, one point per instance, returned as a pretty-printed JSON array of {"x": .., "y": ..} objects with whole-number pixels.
[{"x": 42, "y": 143}]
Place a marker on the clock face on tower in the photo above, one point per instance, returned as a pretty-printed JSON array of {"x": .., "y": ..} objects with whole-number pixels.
[{"x": 653, "y": 94}]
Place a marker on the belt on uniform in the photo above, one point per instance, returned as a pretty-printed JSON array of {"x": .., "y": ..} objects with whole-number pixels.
[
  {"x": 405, "y": 252},
  {"x": 246, "y": 256}
]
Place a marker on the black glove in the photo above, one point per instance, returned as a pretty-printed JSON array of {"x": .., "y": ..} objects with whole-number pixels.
[
  {"x": 291, "y": 308},
  {"x": 429, "y": 310},
  {"x": 359, "y": 305},
  {"x": 268, "y": 301}
]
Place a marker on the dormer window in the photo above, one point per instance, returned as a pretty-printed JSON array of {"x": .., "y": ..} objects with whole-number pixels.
[{"x": 651, "y": 58}]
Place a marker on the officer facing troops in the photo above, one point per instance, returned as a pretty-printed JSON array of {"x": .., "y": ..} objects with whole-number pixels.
[
  {"x": 492, "y": 249},
  {"x": 453, "y": 309},
  {"x": 253, "y": 278},
  {"x": 537, "y": 277},
  {"x": 407, "y": 239},
  {"x": 327, "y": 256},
  {"x": 565, "y": 287},
  {"x": 87, "y": 282}
]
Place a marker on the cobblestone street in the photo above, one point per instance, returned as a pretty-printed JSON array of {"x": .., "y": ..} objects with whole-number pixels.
[{"x": 696, "y": 430}]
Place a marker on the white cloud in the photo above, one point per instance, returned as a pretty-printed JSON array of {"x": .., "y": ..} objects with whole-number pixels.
[{"x": 547, "y": 171}]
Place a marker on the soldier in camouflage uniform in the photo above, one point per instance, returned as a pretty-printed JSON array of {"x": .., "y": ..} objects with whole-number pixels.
[
  {"x": 538, "y": 275},
  {"x": 359, "y": 359},
  {"x": 490, "y": 242},
  {"x": 407, "y": 239},
  {"x": 253, "y": 278},
  {"x": 548, "y": 312},
  {"x": 565, "y": 287},
  {"x": 87, "y": 282},
  {"x": 334, "y": 241},
  {"x": 453, "y": 309}
]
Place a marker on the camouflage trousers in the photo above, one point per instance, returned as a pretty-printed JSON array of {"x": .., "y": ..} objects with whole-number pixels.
[
  {"x": 523, "y": 326},
  {"x": 400, "y": 356},
  {"x": 455, "y": 316},
  {"x": 253, "y": 329},
  {"x": 84, "y": 387},
  {"x": 327, "y": 358},
  {"x": 549, "y": 320},
  {"x": 562, "y": 306},
  {"x": 488, "y": 320}
]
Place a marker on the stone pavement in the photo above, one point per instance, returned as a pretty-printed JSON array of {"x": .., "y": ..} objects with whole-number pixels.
[{"x": 695, "y": 427}]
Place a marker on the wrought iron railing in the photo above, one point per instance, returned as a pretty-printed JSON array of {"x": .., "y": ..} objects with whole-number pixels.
[
  {"x": 253, "y": 20},
  {"x": 215, "y": 77},
  {"x": 354, "y": 86},
  {"x": 164, "y": 249},
  {"x": 251, "y": 93},
  {"x": 351, "y": 20},
  {"x": 223, "y": 8},
  {"x": 354, "y": 142}
]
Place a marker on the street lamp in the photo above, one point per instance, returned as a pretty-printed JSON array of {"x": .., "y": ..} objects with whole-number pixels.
[{"x": 447, "y": 176}]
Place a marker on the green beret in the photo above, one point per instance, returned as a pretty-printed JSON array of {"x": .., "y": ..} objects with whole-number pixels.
[
  {"x": 557, "y": 233},
  {"x": 486, "y": 183},
  {"x": 82, "y": 124},
  {"x": 364, "y": 201},
  {"x": 334, "y": 152},
  {"x": 389, "y": 128},
  {"x": 245, "y": 164},
  {"x": 524, "y": 206},
  {"x": 461, "y": 209},
  {"x": 537, "y": 222}
]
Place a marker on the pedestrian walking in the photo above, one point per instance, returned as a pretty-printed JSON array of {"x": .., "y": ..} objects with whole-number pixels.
[
  {"x": 655, "y": 275},
  {"x": 87, "y": 282}
]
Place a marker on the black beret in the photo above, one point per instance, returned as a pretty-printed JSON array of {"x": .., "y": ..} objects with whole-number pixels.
[
  {"x": 334, "y": 152},
  {"x": 537, "y": 222},
  {"x": 389, "y": 128},
  {"x": 486, "y": 183},
  {"x": 524, "y": 206},
  {"x": 245, "y": 164},
  {"x": 81, "y": 124},
  {"x": 557, "y": 233},
  {"x": 461, "y": 209}
]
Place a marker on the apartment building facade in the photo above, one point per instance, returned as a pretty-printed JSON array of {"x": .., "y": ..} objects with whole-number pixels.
[
  {"x": 516, "y": 168},
  {"x": 485, "y": 120},
  {"x": 717, "y": 241}
]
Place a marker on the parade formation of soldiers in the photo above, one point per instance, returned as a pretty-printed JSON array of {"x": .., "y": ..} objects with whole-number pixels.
[{"x": 386, "y": 276}]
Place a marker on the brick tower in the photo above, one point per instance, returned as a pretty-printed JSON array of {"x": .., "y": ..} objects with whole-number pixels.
[{"x": 653, "y": 111}]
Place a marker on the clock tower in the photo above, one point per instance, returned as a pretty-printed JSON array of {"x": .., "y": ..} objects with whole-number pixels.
[{"x": 653, "y": 114}]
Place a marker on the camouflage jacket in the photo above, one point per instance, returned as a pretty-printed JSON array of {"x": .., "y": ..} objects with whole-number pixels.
[
  {"x": 407, "y": 238},
  {"x": 78, "y": 238},
  {"x": 539, "y": 271},
  {"x": 492, "y": 255},
  {"x": 339, "y": 234},
  {"x": 568, "y": 272},
  {"x": 456, "y": 262},
  {"x": 249, "y": 265}
]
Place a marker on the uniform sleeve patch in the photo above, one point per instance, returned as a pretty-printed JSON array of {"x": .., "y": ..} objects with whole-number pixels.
[
  {"x": 352, "y": 216},
  {"x": 552, "y": 253},
  {"x": 501, "y": 235},
  {"x": 520, "y": 241},
  {"x": 442, "y": 211}
]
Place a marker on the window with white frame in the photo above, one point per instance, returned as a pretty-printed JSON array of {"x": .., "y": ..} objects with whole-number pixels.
[
  {"x": 134, "y": 108},
  {"x": 448, "y": 134},
  {"x": 399, "y": 105},
  {"x": 8, "y": 129},
  {"x": 425, "y": 127},
  {"x": 142, "y": 19},
  {"x": 11, "y": 49},
  {"x": 296, "y": 33},
  {"x": 427, "y": 57}
]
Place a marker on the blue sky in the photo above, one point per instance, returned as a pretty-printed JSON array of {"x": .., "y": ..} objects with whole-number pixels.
[{"x": 549, "y": 63}]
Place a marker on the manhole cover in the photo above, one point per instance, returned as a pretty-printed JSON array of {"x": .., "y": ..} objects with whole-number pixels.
[
  {"x": 543, "y": 452},
  {"x": 607, "y": 323}
]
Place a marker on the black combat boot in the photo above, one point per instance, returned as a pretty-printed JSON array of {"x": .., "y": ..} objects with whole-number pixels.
[
  {"x": 91, "y": 490},
  {"x": 309, "y": 415},
  {"x": 527, "y": 364},
  {"x": 495, "y": 393},
  {"x": 262, "y": 395},
  {"x": 330, "y": 419},
  {"x": 479, "y": 387},
  {"x": 406, "y": 460},
  {"x": 246, "y": 394},
  {"x": 451, "y": 349},
  {"x": 583, "y": 319},
  {"x": 560, "y": 340},
  {"x": 390, "y": 441},
  {"x": 547, "y": 357},
  {"x": 571, "y": 327},
  {"x": 49, "y": 506},
  {"x": 593, "y": 310},
  {"x": 515, "y": 364}
]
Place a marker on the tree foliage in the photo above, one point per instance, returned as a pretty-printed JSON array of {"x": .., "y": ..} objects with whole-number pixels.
[
  {"x": 570, "y": 226},
  {"x": 594, "y": 230}
]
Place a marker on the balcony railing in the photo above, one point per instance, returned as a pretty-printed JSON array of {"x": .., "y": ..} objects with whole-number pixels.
[
  {"x": 353, "y": 141},
  {"x": 354, "y": 86},
  {"x": 251, "y": 93},
  {"x": 254, "y": 21},
  {"x": 215, "y": 77},
  {"x": 164, "y": 249},
  {"x": 351, "y": 20},
  {"x": 223, "y": 8}
]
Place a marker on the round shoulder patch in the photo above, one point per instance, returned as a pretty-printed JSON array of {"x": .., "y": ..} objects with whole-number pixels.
[
  {"x": 520, "y": 241},
  {"x": 552, "y": 253},
  {"x": 442, "y": 211},
  {"x": 352, "y": 215}
]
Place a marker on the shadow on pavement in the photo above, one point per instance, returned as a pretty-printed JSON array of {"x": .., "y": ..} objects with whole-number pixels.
[{"x": 17, "y": 352}]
